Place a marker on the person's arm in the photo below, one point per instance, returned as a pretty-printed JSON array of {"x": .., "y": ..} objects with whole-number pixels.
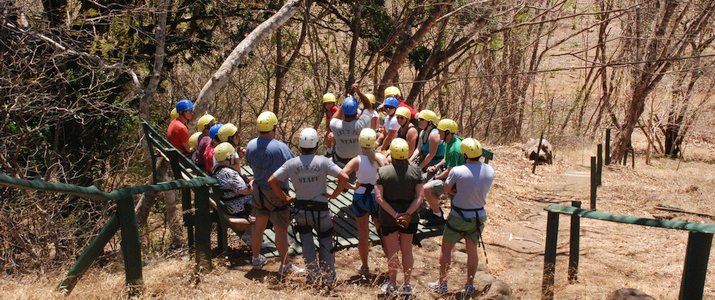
[
  {"x": 411, "y": 139},
  {"x": 433, "y": 146},
  {"x": 417, "y": 202},
  {"x": 349, "y": 168},
  {"x": 339, "y": 113},
  {"x": 381, "y": 201},
  {"x": 443, "y": 175},
  {"x": 449, "y": 184},
  {"x": 276, "y": 188},
  {"x": 365, "y": 101},
  {"x": 388, "y": 139}
]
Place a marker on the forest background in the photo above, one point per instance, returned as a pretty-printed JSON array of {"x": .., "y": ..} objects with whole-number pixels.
[{"x": 78, "y": 76}]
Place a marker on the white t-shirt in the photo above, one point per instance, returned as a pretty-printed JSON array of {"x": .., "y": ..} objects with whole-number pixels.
[
  {"x": 367, "y": 171},
  {"x": 473, "y": 181},
  {"x": 347, "y": 133},
  {"x": 391, "y": 124},
  {"x": 308, "y": 175}
]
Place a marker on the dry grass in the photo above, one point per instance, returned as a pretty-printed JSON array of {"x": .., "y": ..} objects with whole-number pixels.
[{"x": 612, "y": 255}]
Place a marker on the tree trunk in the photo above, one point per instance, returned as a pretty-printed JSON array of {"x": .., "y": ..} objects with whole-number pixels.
[{"x": 206, "y": 97}]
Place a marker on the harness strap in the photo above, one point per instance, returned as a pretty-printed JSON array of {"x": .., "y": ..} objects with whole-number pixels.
[{"x": 460, "y": 211}]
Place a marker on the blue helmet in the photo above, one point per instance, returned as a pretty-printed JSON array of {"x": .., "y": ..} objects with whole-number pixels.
[
  {"x": 213, "y": 131},
  {"x": 350, "y": 106},
  {"x": 184, "y": 105},
  {"x": 391, "y": 101}
]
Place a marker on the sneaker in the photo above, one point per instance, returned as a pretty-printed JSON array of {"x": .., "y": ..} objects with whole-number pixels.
[
  {"x": 469, "y": 290},
  {"x": 258, "y": 262},
  {"x": 388, "y": 288},
  {"x": 362, "y": 270},
  {"x": 290, "y": 268},
  {"x": 406, "y": 289},
  {"x": 437, "y": 287}
]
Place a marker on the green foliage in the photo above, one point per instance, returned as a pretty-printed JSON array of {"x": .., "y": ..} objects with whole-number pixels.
[{"x": 418, "y": 56}]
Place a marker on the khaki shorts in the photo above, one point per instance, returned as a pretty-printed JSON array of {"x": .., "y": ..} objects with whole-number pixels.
[
  {"x": 464, "y": 229},
  {"x": 265, "y": 203}
]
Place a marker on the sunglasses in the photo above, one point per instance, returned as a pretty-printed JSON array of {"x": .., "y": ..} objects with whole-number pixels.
[{"x": 389, "y": 107}]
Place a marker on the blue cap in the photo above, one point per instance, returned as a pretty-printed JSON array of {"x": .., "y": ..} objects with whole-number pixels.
[
  {"x": 391, "y": 101},
  {"x": 184, "y": 105},
  {"x": 350, "y": 106},
  {"x": 213, "y": 131}
]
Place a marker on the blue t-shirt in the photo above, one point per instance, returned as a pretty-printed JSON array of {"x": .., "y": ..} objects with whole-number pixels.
[{"x": 265, "y": 156}]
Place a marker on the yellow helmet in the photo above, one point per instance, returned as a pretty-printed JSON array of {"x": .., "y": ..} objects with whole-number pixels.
[
  {"x": 399, "y": 149},
  {"x": 266, "y": 121},
  {"x": 448, "y": 125},
  {"x": 471, "y": 148},
  {"x": 367, "y": 138},
  {"x": 370, "y": 97},
  {"x": 174, "y": 114},
  {"x": 193, "y": 140},
  {"x": 403, "y": 112},
  {"x": 204, "y": 121},
  {"x": 392, "y": 91},
  {"x": 329, "y": 98},
  {"x": 226, "y": 131},
  {"x": 223, "y": 151},
  {"x": 428, "y": 115}
]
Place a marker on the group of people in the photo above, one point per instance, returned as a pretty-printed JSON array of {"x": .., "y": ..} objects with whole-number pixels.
[{"x": 392, "y": 168}]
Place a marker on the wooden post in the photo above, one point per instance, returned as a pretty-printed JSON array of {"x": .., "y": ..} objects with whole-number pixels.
[
  {"x": 692, "y": 283},
  {"x": 131, "y": 246},
  {"x": 608, "y": 146},
  {"x": 203, "y": 230},
  {"x": 574, "y": 243},
  {"x": 90, "y": 253},
  {"x": 599, "y": 163},
  {"x": 538, "y": 150},
  {"x": 187, "y": 214},
  {"x": 552, "y": 235},
  {"x": 633, "y": 158},
  {"x": 594, "y": 183}
]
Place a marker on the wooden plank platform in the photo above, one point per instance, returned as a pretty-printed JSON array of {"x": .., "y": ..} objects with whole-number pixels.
[{"x": 345, "y": 225}]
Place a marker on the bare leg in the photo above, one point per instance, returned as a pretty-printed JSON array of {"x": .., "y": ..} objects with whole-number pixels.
[
  {"x": 408, "y": 260},
  {"x": 363, "y": 225},
  {"x": 257, "y": 234},
  {"x": 445, "y": 258},
  {"x": 472, "y": 260},
  {"x": 282, "y": 242},
  {"x": 393, "y": 262}
]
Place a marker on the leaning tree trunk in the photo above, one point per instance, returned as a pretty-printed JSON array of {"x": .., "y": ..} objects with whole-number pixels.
[{"x": 219, "y": 79}]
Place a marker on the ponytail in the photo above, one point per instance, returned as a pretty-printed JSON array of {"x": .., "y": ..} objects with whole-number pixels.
[{"x": 370, "y": 153}]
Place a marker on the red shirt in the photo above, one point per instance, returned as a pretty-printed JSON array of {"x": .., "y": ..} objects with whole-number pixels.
[
  {"x": 178, "y": 136},
  {"x": 413, "y": 112},
  {"x": 329, "y": 113},
  {"x": 208, "y": 158}
]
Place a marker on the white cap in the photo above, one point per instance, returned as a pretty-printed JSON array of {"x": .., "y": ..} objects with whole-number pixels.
[{"x": 308, "y": 138}]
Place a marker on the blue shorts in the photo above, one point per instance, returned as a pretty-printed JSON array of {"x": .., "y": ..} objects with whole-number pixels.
[{"x": 363, "y": 205}]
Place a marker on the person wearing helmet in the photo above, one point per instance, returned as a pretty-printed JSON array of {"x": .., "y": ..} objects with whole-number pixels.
[
  {"x": 193, "y": 140},
  {"x": 398, "y": 191},
  {"x": 364, "y": 205},
  {"x": 265, "y": 155},
  {"x": 347, "y": 124},
  {"x": 178, "y": 131},
  {"x": 391, "y": 126},
  {"x": 393, "y": 91},
  {"x": 375, "y": 122},
  {"x": 203, "y": 125},
  {"x": 308, "y": 174},
  {"x": 209, "y": 161},
  {"x": 430, "y": 149},
  {"x": 407, "y": 130},
  {"x": 229, "y": 133},
  {"x": 470, "y": 184},
  {"x": 330, "y": 109},
  {"x": 173, "y": 114},
  {"x": 237, "y": 191},
  {"x": 453, "y": 157}
]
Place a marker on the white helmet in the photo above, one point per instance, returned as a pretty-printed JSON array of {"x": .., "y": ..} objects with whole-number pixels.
[{"x": 308, "y": 138}]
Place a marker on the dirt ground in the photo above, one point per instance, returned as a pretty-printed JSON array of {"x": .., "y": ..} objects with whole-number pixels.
[{"x": 612, "y": 255}]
